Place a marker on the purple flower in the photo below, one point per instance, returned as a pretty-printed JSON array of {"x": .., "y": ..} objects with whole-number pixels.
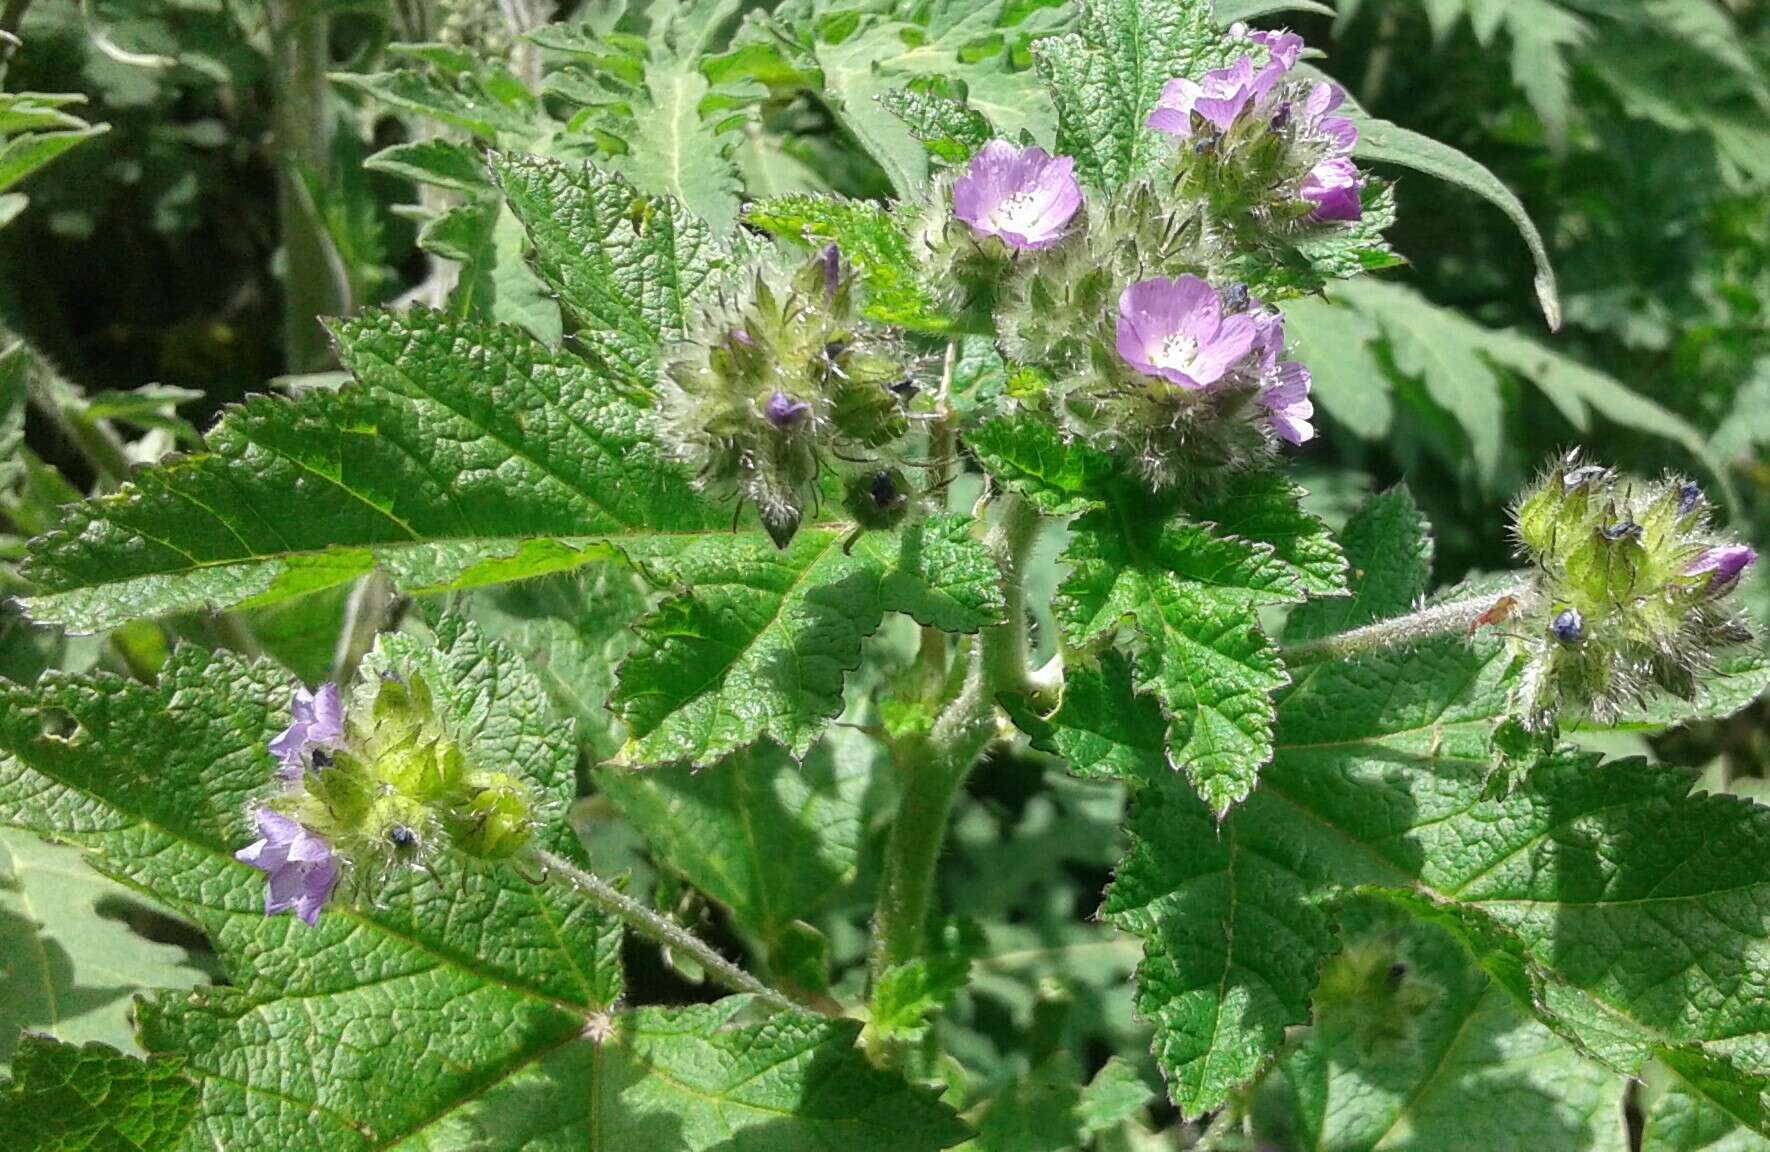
[
  {"x": 1283, "y": 47},
  {"x": 317, "y": 721},
  {"x": 1288, "y": 407},
  {"x": 302, "y": 869},
  {"x": 1176, "y": 330},
  {"x": 1333, "y": 182},
  {"x": 1725, "y": 563},
  {"x": 1569, "y": 627},
  {"x": 1332, "y": 186},
  {"x": 1219, "y": 97},
  {"x": 784, "y": 412},
  {"x": 1023, "y": 197}
]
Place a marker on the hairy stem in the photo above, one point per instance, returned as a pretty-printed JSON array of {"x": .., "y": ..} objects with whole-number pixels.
[
  {"x": 660, "y": 930},
  {"x": 1459, "y": 615},
  {"x": 314, "y": 282},
  {"x": 934, "y": 767}
]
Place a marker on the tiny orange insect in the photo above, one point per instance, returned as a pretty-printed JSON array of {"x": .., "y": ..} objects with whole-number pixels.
[{"x": 1501, "y": 611}]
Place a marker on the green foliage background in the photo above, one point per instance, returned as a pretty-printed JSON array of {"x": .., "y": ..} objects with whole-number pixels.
[{"x": 143, "y": 274}]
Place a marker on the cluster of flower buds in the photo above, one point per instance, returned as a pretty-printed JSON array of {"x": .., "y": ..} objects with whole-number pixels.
[
  {"x": 781, "y": 382},
  {"x": 1632, "y": 594},
  {"x": 381, "y": 789},
  {"x": 1255, "y": 138}
]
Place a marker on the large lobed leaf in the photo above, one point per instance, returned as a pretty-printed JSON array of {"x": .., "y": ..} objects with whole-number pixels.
[
  {"x": 1412, "y": 1046},
  {"x": 761, "y": 640},
  {"x": 626, "y": 265},
  {"x": 1190, "y": 587},
  {"x": 466, "y": 454},
  {"x": 73, "y": 1098},
  {"x": 460, "y": 1005},
  {"x": 1620, "y": 909}
]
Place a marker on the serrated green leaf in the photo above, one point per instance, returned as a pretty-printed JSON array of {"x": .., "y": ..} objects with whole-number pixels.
[
  {"x": 1058, "y": 475},
  {"x": 625, "y": 265},
  {"x": 1106, "y": 74},
  {"x": 572, "y": 630},
  {"x": 760, "y": 642},
  {"x": 312, "y": 1047},
  {"x": 1190, "y": 593},
  {"x": 1412, "y": 1047},
  {"x": 951, "y": 130},
  {"x": 68, "y": 1098},
  {"x": 1684, "y": 1112},
  {"x": 461, "y": 101},
  {"x": 769, "y": 839},
  {"x": 1388, "y": 545},
  {"x": 850, "y": 61},
  {"x": 468, "y": 454},
  {"x": 651, "y": 99},
  {"x": 68, "y": 956},
  {"x": 437, "y": 162},
  {"x": 873, "y": 238}
]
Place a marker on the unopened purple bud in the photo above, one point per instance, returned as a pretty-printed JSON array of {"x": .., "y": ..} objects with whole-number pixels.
[
  {"x": 784, "y": 412},
  {"x": 1568, "y": 626},
  {"x": 742, "y": 338},
  {"x": 301, "y": 866},
  {"x": 831, "y": 259},
  {"x": 316, "y": 721},
  {"x": 884, "y": 491},
  {"x": 1724, "y": 563},
  {"x": 1689, "y": 496},
  {"x": 1023, "y": 197},
  {"x": 1625, "y": 530}
]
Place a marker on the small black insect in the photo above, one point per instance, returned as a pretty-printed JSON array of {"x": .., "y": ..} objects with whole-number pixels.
[
  {"x": 402, "y": 837},
  {"x": 321, "y": 758}
]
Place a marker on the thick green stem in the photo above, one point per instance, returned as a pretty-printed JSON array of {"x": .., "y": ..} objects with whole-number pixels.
[
  {"x": 314, "y": 284},
  {"x": 933, "y": 768},
  {"x": 1463, "y": 614},
  {"x": 657, "y": 928}
]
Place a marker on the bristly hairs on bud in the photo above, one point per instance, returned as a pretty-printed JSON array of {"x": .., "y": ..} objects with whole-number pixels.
[
  {"x": 780, "y": 381},
  {"x": 1633, "y": 593},
  {"x": 384, "y": 790}
]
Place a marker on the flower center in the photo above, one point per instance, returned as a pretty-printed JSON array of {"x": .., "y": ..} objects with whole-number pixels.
[
  {"x": 1018, "y": 210},
  {"x": 1177, "y": 351}
]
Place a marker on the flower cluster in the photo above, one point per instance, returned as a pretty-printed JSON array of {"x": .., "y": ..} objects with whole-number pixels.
[
  {"x": 1255, "y": 134},
  {"x": 781, "y": 381},
  {"x": 1633, "y": 593},
  {"x": 1125, "y": 301},
  {"x": 380, "y": 788}
]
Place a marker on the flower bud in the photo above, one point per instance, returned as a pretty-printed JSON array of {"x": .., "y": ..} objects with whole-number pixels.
[
  {"x": 1632, "y": 593},
  {"x": 391, "y": 786},
  {"x": 781, "y": 380}
]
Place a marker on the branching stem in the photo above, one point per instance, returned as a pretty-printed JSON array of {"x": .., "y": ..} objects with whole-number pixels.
[
  {"x": 1428, "y": 623},
  {"x": 933, "y": 768},
  {"x": 660, "y": 930}
]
